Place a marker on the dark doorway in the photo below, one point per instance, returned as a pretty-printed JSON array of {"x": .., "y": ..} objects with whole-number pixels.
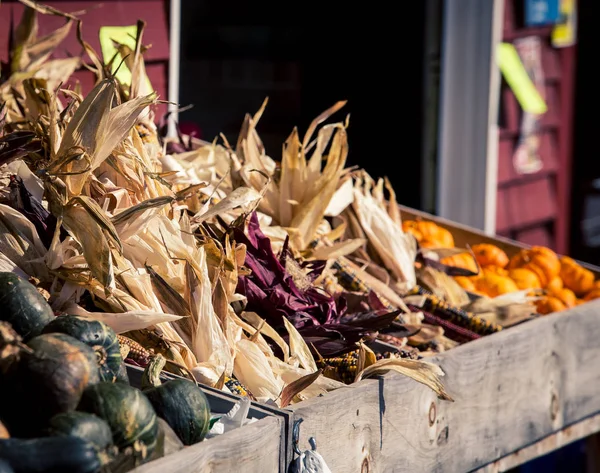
[
  {"x": 233, "y": 55},
  {"x": 585, "y": 203}
]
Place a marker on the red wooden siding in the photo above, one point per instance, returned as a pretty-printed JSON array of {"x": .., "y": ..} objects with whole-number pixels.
[
  {"x": 107, "y": 13},
  {"x": 157, "y": 73},
  {"x": 536, "y": 236},
  {"x": 534, "y": 208}
]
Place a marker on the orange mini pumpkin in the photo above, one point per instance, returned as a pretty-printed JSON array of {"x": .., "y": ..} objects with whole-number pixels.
[
  {"x": 577, "y": 278},
  {"x": 488, "y": 255},
  {"x": 566, "y": 296},
  {"x": 539, "y": 259},
  {"x": 445, "y": 238},
  {"x": 428, "y": 234},
  {"x": 593, "y": 294},
  {"x": 410, "y": 226},
  {"x": 429, "y": 244},
  {"x": 549, "y": 304},
  {"x": 495, "y": 270},
  {"x": 428, "y": 229},
  {"x": 519, "y": 260},
  {"x": 494, "y": 285},
  {"x": 555, "y": 284},
  {"x": 524, "y": 278},
  {"x": 461, "y": 260},
  {"x": 466, "y": 283}
]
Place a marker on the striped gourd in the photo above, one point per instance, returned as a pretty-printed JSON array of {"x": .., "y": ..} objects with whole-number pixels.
[
  {"x": 128, "y": 412},
  {"x": 97, "y": 335}
]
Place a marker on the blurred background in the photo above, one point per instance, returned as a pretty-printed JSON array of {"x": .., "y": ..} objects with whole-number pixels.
[{"x": 435, "y": 90}]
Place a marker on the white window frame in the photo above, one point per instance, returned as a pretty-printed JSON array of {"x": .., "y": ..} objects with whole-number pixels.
[
  {"x": 174, "y": 64},
  {"x": 469, "y": 100}
]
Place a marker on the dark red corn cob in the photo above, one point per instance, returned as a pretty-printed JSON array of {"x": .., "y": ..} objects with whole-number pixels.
[{"x": 452, "y": 331}]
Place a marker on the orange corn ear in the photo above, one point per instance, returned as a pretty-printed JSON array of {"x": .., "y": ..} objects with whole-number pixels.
[{"x": 136, "y": 351}]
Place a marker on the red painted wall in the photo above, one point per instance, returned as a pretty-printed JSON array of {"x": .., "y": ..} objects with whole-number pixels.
[
  {"x": 108, "y": 13},
  {"x": 534, "y": 208}
]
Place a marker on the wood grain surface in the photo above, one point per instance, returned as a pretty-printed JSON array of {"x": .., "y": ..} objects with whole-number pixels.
[
  {"x": 511, "y": 390},
  {"x": 254, "y": 448}
]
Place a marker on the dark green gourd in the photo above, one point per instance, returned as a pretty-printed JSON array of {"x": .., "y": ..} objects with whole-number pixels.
[
  {"x": 88, "y": 427},
  {"x": 127, "y": 411},
  {"x": 180, "y": 402},
  {"x": 49, "y": 379},
  {"x": 50, "y": 455},
  {"x": 97, "y": 335},
  {"x": 122, "y": 376},
  {"x": 23, "y": 306}
]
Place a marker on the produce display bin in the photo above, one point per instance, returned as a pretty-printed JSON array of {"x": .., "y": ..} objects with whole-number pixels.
[
  {"x": 264, "y": 445},
  {"x": 519, "y": 393},
  {"x": 465, "y": 235}
]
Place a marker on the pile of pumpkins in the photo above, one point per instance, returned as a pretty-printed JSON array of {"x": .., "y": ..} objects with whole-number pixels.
[
  {"x": 563, "y": 281},
  {"x": 66, "y": 404}
]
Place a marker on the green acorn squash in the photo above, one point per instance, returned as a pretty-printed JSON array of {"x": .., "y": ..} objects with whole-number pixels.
[
  {"x": 51, "y": 455},
  {"x": 180, "y": 402},
  {"x": 23, "y": 306},
  {"x": 49, "y": 378},
  {"x": 122, "y": 376},
  {"x": 88, "y": 427},
  {"x": 97, "y": 335},
  {"x": 129, "y": 414}
]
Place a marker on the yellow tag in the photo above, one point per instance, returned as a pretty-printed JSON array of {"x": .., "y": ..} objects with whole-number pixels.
[
  {"x": 519, "y": 81},
  {"x": 563, "y": 33},
  {"x": 121, "y": 34}
]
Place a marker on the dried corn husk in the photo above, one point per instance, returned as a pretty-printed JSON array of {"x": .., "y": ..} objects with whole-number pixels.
[
  {"x": 505, "y": 309},
  {"x": 396, "y": 249},
  {"x": 126, "y": 321},
  {"x": 421, "y": 371},
  {"x": 145, "y": 226}
]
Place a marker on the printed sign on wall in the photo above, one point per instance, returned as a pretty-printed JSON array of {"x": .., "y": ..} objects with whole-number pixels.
[
  {"x": 565, "y": 30},
  {"x": 541, "y": 12},
  {"x": 526, "y": 159}
]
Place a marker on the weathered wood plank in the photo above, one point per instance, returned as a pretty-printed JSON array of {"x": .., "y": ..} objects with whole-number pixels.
[
  {"x": 252, "y": 449},
  {"x": 512, "y": 389},
  {"x": 548, "y": 444},
  {"x": 222, "y": 402}
]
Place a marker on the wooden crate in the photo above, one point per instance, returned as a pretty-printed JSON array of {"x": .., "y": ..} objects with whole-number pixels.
[
  {"x": 525, "y": 385},
  {"x": 465, "y": 235},
  {"x": 519, "y": 393},
  {"x": 262, "y": 446}
]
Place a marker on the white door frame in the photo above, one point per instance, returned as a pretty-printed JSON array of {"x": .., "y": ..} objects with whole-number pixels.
[
  {"x": 174, "y": 64},
  {"x": 469, "y": 100}
]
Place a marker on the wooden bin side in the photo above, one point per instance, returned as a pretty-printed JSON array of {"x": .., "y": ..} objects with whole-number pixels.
[
  {"x": 511, "y": 389},
  {"x": 254, "y": 448},
  {"x": 250, "y": 440}
]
